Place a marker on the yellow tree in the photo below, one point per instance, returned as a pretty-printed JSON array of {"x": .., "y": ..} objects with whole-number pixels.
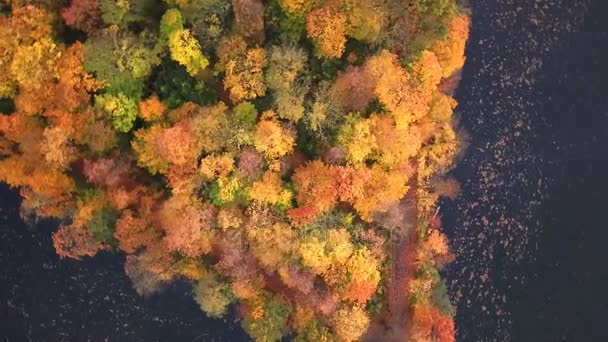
[
  {"x": 364, "y": 276},
  {"x": 272, "y": 245},
  {"x": 350, "y": 322},
  {"x": 271, "y": 138},
  {"x": 358, "y": 139},
  {"x": 375, "y": 188},
  {"x": 186, "y": 50},
  {"x": 450, "y": 51},
  {"x": 214, "y": 166},
  {"x": 405, "y": 94},
  {"x": 393, "y": 145},
  {"x": 243, "y": 68},
  {"x": 326, "y": 26},
  {"x": 270, "y": 190}
]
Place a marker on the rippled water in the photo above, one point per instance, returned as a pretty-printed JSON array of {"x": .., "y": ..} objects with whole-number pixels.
[
  {"x": 533, "y": 100},
  {"x": 528, "y": 230}
]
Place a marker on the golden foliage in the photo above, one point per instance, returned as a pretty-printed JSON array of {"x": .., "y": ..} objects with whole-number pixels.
[
  {"x": 358, "y": 140},
  {"x": 375, "y": 188},
  {"x": 151, "y": 109},
  {"x": 270, "y": 190},
  {"x": 214, "y": 166},
  {"x": 364, "y": 276},
  {"x": 243, "y": 68},
  {"x": 350, "y": 323},
  {"x": 326, "y": 26},
  {"x": 450, "y": 51},
  {"x": 271, "y": 138},
  {"x": 405, "y": 94}
]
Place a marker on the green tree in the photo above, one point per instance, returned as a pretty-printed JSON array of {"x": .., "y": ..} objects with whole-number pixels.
[{"x": 122, "y": 109}]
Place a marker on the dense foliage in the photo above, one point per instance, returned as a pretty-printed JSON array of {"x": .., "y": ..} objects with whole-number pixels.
[{"x": 274, "y": 153}]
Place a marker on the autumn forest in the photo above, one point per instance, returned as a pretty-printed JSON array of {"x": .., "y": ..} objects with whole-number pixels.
[{"x": 285, "y": 157}]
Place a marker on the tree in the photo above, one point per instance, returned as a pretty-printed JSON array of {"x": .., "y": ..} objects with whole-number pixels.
[
  {"x": 394, "y": 146},
  {"x": 366, "y": 19},
  {"x": 75, "y": 242},
  {"x": 33, "y": 63},
  {"x": 189, "y": 227},
  {"x": 312, "y": 251},
  {"x": 350, "y": 323},
  {"x": 230, "y": 217},
  {"x": 243, "y": 68},
  {"x": 177, "y": 145},
  {"x": 82, "y": 15},
  {"x": 186, "y": 50},
  {"x": 363, "y": 276},
  {"x": 353, "y": 90},
  {"x": 206, "y": 124},
  {"x": 171, "y": 22},
  {"x": 285, "y": 78},
  {"x": 209, "y": 20},
  {"x": 151, "y": 109},
  {"x": 326, "y": 26},
  {"x": 314, "y": 332},
  {"x": 87, "y": 233},
  {"x": 271, "y": 138},
  {"x": 450, "y": 51},
  {"x": 245, "y": 115},
  {"x": 430, "y": 323},
  {"x": 442, "y": 108},
  {"x": 249, "y": 19},
  {"x": 215, "y": 166},
  {"x": 72, "y": 91},
  {"x": 144, "y": 146},
  {"x": 316, "y": 186},
  {"x": 145, "y": 282},
  {"x": 406, "y": 94},
  {"x": 57, "y": 149},
  {"x": 126, "y": 12},
  {"x": 302, "y": 216},
  {"x": 375, "y": 189},
  {"x": 134, "y": 232},
  {"x": 268, "y": 319},
  {"x": 122, "y": 109},
  {"x": 357, "y": 138},
  {"x": 295, "y": 7},
  {"x": 271, "y": 245},
  {"x": 27, "y": 48},
  {"x": 270, "y": 190},
  {"x": 249, "y": 164},
  {"x": 212, "y": 295},
  {"x": 121, "y": 59}
]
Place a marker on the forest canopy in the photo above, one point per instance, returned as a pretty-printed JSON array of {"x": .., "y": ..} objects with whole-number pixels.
[{"x": 283, "y": 156}]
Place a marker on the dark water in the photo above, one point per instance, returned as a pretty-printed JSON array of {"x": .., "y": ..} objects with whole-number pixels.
[
  {"x": 44, "y": 298},
  {"x": 529, "y": 230}
]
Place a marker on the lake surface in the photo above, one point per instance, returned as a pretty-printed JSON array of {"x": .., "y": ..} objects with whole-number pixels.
[{"x": 528, "y": 231}]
